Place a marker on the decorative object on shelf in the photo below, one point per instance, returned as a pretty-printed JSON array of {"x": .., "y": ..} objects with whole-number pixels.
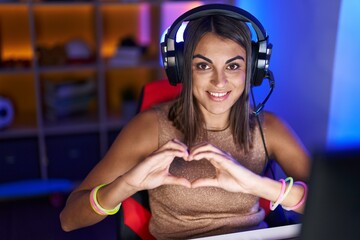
[
  {"x": 78, "y": 51},
  {"x": 6, "y": 112},
  {"x": 75, "y": 51},
  {"x": 68, "y": 98},
  {"x": 51, "y": 56},
  {"x": 127, "y": 53}
]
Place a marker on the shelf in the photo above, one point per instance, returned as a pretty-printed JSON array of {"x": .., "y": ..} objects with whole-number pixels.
[
  {"x": 15, "y": 70},
  {"x": 68, "y": 68},
  {"x": 73, "y": 126},
  {"x": 143, "y": 64},
  {"x": 18, "y": 131},
  {"x": 44, "y": 44}
]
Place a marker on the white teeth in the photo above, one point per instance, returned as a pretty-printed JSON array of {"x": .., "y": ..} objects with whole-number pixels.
[{"x": 217, "y": 94}]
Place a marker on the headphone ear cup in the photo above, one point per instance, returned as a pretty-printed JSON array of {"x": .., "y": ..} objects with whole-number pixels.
[
  {"x": 254, "y": 59},
  {"x": 171, "y": 73},
  {"x": 258, "y": 74},
  {"x": 173, "y": 62},
  {"x": 179, "y": 56},
  {"x": 174, "y": 70}
]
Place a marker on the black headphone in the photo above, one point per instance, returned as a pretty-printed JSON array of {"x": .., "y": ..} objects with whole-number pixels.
[{"x": 172, "y": 51}]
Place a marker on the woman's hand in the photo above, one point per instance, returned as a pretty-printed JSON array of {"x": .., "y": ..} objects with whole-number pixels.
[
  {"x": 154, "y": 170},
  {"x": 230, "y": 175}
]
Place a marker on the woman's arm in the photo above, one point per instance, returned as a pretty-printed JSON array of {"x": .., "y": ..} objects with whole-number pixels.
[
  {"x": 133, "y": 163},
  {"x": 287, "y": 150},
  {"x": 136, "y": 140}
]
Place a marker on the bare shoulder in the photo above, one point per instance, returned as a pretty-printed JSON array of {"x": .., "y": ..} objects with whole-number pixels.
[
  {"x": 276, "y": 130},
  {"x": 271, "y": 120}
]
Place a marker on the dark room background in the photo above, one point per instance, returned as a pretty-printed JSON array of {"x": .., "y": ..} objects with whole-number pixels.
[{"x": 106, "y": 50}]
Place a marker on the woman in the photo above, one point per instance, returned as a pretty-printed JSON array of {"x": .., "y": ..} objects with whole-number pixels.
[{"x": 201, "y": 156}]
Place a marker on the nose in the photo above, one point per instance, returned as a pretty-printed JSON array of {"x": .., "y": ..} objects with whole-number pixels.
[{"x": 219, "y": 79}]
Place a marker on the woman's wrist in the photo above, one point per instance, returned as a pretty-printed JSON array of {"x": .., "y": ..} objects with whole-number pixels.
[
  {"x": 257, "y": 185},
  {"x": 267, "y": 188},
  {"x": 128, "y": 185},
  {"x": 293, "y": 198},
  {"x": 97, "y": 207},
  {"x": 114, "y": 193}
]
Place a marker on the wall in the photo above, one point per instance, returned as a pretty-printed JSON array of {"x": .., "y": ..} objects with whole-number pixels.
[
  {"x": 304, "y": 35},
  {"x": 344, "y": 130}
]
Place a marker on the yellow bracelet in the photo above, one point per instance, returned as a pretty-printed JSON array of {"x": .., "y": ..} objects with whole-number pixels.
[
  {"x": 291, "y": 182},
  {"x": 96, "y": 206}
]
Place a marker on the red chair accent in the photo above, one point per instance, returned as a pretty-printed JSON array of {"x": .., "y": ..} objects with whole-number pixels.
[
  {"x": 137, "y": 218},
  {"x": 158, "y": 92}
]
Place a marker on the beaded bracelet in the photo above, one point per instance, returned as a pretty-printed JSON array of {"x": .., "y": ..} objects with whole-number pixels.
[
  {"x": 302, "y": 199},
  {"x": 283, "y": 193},
  {"x": 96, "y": 206}
]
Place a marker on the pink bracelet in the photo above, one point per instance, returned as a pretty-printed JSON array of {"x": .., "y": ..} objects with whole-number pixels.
[
  {"x": 302, "y": 199},
  {"x": 274, "y": 205}
]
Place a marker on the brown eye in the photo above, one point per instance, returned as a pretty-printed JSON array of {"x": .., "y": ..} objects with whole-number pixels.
[
  {"x": 202, "y": 66},
  {"x": 233, "y": 66}
]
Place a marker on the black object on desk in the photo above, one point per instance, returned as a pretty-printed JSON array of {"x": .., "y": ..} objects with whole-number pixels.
[{"x": 333, "y": 205}]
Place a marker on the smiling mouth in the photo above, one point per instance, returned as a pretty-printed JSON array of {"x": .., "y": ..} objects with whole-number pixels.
[{"x": 218, "y": 96}]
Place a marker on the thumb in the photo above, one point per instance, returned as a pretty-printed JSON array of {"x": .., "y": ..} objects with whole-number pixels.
[
  {"x": 205, "y": 182},
  {"x": 171, "y": 180}
]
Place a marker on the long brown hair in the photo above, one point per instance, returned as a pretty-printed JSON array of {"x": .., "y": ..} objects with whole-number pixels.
[{"x": 185, "y": 112}]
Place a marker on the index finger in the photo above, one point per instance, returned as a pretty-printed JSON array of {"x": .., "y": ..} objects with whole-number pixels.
[{"x": 204, "y": 147}]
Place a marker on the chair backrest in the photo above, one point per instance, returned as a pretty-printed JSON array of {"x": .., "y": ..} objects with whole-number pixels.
[{"x": 135, "y": 214}]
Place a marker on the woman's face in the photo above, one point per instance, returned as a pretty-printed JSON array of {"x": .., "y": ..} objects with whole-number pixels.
[{"x": 219, "y": 70}]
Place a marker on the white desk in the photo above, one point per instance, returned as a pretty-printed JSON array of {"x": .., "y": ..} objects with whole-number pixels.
[{"x": 275, "y": 233}]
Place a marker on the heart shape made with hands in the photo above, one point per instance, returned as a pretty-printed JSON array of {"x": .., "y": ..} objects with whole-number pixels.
[{"x": 192, "y": 169}]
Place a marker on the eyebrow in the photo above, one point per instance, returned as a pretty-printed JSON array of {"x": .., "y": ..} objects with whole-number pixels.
[
  {"x": 209, "y": 60},
  {"x": 202, "y": 57},
  {"x": 234, "y": 58}
]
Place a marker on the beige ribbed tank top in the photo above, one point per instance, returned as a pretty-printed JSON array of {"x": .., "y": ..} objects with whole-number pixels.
[{"x": 182, "y": 213}]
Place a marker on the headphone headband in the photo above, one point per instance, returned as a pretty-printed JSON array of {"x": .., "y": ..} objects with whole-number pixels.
[
  {"x": 222, "y": 9},
  {"x": 172, "y": 51}
]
